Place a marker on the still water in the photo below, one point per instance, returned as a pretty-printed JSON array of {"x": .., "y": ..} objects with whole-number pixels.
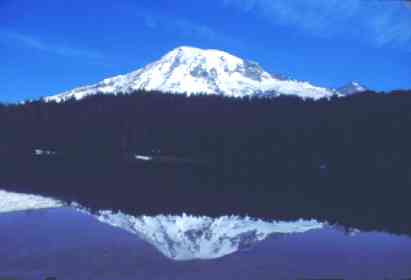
[{"x": 69, "y": 243}]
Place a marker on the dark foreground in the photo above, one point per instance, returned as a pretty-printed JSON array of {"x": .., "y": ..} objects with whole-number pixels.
[
  {"x": 344, "y": 160},
  {"x": 173, "y": 187}
]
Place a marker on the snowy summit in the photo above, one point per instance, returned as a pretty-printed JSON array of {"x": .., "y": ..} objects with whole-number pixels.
[
  {"x": 196, "y": 71},
  {"x": 352, "y": 88}
]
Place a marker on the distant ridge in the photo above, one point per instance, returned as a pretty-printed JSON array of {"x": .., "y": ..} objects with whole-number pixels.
[{"x": 352, "y": 88}]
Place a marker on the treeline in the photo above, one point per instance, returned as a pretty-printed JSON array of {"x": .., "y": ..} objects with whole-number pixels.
[
  {"x": 368, "y": 130},
  {"x": 349, "y": 153}
]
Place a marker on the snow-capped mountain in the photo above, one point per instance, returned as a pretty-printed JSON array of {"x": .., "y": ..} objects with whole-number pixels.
[
  {"x": 192, "y": 71},
  {"x": 352, "y": 88},
  {"x": 188, "y": 237}
]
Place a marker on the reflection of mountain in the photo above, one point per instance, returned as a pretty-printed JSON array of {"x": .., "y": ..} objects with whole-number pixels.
[
  {"x": 69, "y": 244},
  {"x": 177, "y": 237},
  {"x": 188, "y": 237},
  {"x": 10, "y": 202}
]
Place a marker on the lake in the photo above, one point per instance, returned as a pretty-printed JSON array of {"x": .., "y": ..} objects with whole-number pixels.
[{"x": 71, "y": 242}]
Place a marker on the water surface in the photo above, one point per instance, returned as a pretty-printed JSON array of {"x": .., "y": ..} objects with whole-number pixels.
[{"x": 71, "y": 244}]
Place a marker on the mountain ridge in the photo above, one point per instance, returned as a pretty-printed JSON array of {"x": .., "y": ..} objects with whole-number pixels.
[{"x": 192, "y": 70}]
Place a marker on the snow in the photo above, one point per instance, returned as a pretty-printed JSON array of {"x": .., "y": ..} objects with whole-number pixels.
[
  {"x": 11, "y": 202},
  {"x": 193, "y": 71},
  {"x": 41, "y": 152},
  {"x": 144, "y": 158},
  {"x": 189, "y": 237},
  {"x": 352, "y": 88}
]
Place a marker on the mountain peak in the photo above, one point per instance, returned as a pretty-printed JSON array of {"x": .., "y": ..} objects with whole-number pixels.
[
  {"x": 352, "y": 88},
  {"x": 193, "y": 51},
  {"x": 188, "y": 50},
  {"x": 192, "y": 70}
]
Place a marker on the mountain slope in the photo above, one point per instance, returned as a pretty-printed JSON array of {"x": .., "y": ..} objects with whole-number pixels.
[{"x": 193, "y": 71}]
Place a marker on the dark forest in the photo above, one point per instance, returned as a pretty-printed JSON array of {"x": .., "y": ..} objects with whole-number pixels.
[{"x": 340, "y": 159}]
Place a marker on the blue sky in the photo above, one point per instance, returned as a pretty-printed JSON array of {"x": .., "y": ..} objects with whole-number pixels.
[{"x": 49, "y": 46}]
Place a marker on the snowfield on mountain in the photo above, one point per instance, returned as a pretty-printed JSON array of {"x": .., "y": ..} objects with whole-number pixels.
[
  {"x": 191, "y": 70},
  {"x": 352, "y": 88}
]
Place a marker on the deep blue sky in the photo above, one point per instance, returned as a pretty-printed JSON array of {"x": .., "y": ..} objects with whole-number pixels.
[{"x": 49, "y": 46}]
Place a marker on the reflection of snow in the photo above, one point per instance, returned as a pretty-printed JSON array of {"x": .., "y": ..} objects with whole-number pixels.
[
  {"x": 177, "y": 237},
  {"x": 189, "y": 237},
  {"x": 10, "y": 202}
]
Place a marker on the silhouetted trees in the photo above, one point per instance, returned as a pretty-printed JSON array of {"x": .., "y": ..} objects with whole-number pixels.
[{"x": 350, "y": 154}]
